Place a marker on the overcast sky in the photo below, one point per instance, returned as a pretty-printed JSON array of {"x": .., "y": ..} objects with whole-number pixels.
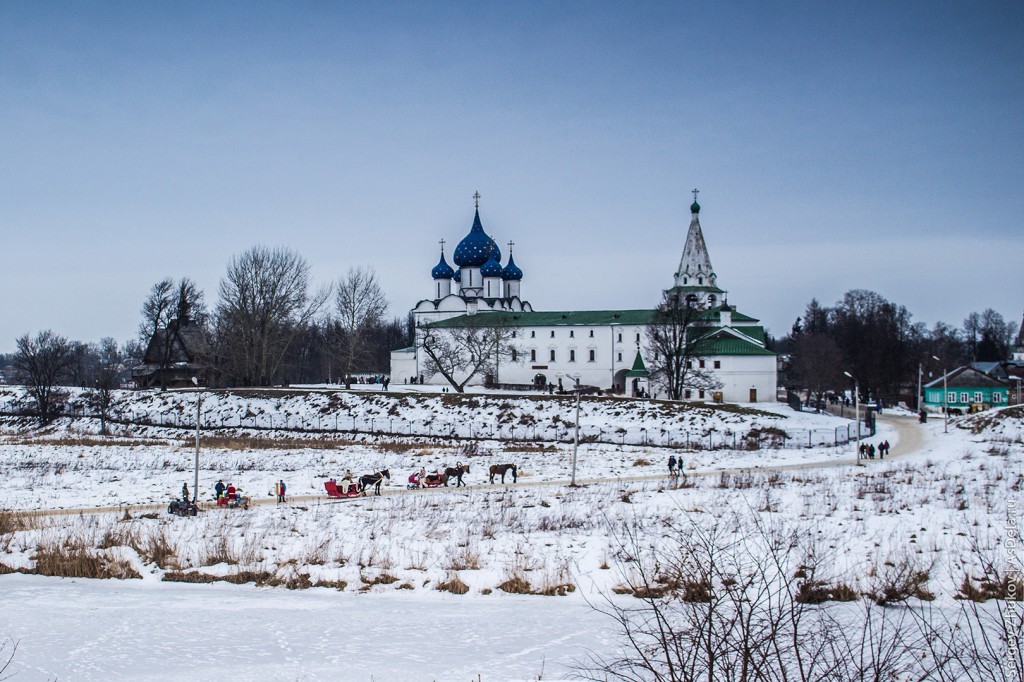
[{"x": 836, "y": 146}]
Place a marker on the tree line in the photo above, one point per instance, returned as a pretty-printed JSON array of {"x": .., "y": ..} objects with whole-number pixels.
[
  {"x": 878, "y": 344},
  {"x": 270, "y": 325}
]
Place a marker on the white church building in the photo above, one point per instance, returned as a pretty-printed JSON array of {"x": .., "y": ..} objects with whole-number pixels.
[{"x": 602, "y": 348}]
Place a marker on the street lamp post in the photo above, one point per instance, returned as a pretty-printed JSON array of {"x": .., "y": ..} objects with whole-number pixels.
[
  {"x": 856, "y": 413},
  {"x": 576, "y": 433},
  {"x": 199, "y": 414},
  {"x": 945, "y": 398}
]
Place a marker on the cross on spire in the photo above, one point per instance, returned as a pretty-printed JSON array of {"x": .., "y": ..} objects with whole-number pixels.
[
  {"x": 476, "y": 199},
  {"x": 442, "y": 246},
  {"x": 510, "y": 245},
  {"x": 695, "y": 192}
]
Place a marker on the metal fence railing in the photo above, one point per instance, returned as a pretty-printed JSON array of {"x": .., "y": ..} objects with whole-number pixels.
[{"x": 553, "y": 431}]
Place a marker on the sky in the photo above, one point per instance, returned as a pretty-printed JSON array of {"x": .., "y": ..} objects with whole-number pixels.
[{"x": 836, "y": 146}]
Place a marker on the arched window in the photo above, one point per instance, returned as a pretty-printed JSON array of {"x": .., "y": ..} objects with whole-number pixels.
[
  {"x": 533, "y": 356},
  {"x": 591, "y": 356}
]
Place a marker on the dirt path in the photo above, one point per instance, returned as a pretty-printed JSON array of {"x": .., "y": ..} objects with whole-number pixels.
[{"x": 910, "y": 438}]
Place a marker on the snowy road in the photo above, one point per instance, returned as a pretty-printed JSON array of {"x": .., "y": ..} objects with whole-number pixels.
[{"x": 129, "y": 630}]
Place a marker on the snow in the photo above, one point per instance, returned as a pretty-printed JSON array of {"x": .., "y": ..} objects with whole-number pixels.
[
  {"x": 129, "y": 630},
  {"x": 939, "y": 492}
]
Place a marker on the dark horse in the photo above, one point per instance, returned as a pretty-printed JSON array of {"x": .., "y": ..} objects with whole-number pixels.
[
  {"x": 497, "y": 469},
  {"x": 374, "y": 479},
  {"x": 456, "y": 473}
]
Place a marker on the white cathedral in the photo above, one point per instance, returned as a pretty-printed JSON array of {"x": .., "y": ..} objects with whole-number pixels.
[{"x": 600, "y": 348}]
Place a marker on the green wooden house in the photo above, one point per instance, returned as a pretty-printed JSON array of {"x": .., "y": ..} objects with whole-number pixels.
[{"x": 966, "y": 389}]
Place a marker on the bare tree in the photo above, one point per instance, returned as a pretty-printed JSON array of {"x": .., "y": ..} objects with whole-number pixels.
[
  {"x": 107, "y": 379},
  {"x": 463, "y": 352},
  {"x": 740, "y": 599},
  {"x": 678, "y": 340},
  {"x": 43, "y": 362},
  {"x": 5, "y": 664},
  {"x": 265, "y": 303},
  {"x": 360, "y": 306}
]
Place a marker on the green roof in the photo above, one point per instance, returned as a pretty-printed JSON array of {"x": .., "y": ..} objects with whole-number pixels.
[
  {"x": 639, "y": 368},
  {"x": 549, "y": 319},
  {"x": 581, "y": 318},
  {"x": 727, "y": 344},
  {"x": 693, "y": 288}
]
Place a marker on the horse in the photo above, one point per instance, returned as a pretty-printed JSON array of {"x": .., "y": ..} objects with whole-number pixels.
[
  {"x": 374, "y": 479},
  {"x": 497, "y": 469},
  {"x": 455, "y": 472}
]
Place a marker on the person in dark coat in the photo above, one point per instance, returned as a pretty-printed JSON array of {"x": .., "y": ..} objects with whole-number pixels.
[
  {"x": 671, "y": 465},
  {"x": 219, "y": 490}
]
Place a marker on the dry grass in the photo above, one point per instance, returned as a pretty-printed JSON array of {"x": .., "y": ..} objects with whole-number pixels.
[
  {"x": 466, "y": 559},
  {"x": 983, "y": 589},
  {"x": 74, "y": 559},
  {"x": 88, "y": 441},
  {"x": 14, "y": 521},
  {"x": 899, "y": 580},
  {"x": 453, "y": 583},
  {"x": 219, "y": 552},
  {"x": 516, "y": 583},
  {"x": 383, "y": 578},
  {"x": 260, "y": 443},
  {"x": 293, "y": 581},
  {"x": 819, "y": 592}
]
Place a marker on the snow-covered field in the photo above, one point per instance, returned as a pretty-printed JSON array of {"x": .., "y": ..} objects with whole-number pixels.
[{"x": 380, "y": 612}]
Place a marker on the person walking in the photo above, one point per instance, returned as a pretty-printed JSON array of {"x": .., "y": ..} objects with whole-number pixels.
[
  {"x": 671, "y": 465},
  {"x": 280, "y": 491}
]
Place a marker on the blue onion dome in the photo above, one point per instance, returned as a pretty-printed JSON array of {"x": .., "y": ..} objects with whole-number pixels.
[
  {"x": 474, "y": 250},
  {"x": 458, "y": 276},
  {"x": 442, "y": 270},
  {"x": 511, "y": 271},
  {"x": 491, "y": 268}
]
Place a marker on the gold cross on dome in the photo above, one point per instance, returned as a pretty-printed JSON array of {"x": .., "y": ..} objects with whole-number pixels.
[{"x": 476, "y": 199}]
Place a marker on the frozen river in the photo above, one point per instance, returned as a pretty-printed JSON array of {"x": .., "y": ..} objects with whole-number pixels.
[{"x": 130, "y": 630}]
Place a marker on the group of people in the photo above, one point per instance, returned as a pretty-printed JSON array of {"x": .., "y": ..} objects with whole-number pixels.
[
  {"x": 675, "y": 466},
  {"x": 867, "y": 450}
]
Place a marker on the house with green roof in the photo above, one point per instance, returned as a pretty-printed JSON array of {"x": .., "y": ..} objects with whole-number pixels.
[{"x": 607, "y": 349}]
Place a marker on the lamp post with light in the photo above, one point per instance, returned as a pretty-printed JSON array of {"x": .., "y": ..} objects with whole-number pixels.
[
  {"x": 576, "y": 432},
  {"x": 199, "y": 413},
  {"x": 945, "y": 397},
  {"x": 856, "y": 412}
]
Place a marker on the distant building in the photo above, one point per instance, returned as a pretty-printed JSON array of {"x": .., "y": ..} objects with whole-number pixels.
[
  {"x": 968, "y": 389},
  {"x": 174, "y": 355},
  {"x": 603, "y": 348}
]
